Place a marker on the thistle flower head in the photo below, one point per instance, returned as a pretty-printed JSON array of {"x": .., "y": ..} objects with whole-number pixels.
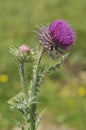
[
  {"x": 62, "y": 34},
  {"x": 57, "y": 37}
]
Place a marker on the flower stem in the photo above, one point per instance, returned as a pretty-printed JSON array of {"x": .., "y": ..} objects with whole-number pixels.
[
  {"x": 22, "y": 77},
  {"x": 33, "y": 89}
]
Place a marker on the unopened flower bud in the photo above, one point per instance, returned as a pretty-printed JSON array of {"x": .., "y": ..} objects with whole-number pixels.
[{"x": 25, "y": 48}]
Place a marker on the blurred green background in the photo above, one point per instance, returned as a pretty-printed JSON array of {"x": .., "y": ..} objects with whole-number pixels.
[{"x": 64, "y": 91}]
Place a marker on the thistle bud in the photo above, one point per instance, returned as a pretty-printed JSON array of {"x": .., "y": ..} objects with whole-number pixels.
[{"x": 25, "y": 48}]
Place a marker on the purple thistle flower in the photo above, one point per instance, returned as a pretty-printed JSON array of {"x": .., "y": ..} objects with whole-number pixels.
[
  {"x": 62, "y": 34},
  {"x": 57, "y": 37}
]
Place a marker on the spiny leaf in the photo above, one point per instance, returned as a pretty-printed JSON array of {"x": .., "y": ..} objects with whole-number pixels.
[
  {"x": 19, "y": 125},
  {"x": 20, "y": 102},
  {"x": 40, "y": 116}
]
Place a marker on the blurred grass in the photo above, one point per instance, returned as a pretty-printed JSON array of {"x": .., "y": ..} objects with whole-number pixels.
[{"x": 60, "y": 90}]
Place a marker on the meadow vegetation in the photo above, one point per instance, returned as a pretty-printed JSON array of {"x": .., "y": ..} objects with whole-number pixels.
[{"x": 64, "y": 91}]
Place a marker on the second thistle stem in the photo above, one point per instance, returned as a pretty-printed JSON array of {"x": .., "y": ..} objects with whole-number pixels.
[{"x": 33, "y": 89}]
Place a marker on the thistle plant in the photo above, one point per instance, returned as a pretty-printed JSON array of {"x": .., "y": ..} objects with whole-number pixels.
[{"x": 54, "y": 40}]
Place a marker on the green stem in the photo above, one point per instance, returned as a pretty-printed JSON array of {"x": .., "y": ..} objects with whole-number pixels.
[
  {"x": 22, "y": 77},
  {"x": 35, "y": 73},
  {"x": 33, "y": 89}
]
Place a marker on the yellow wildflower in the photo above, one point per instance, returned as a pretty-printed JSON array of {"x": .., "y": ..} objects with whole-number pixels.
[
  {"x": 4, "y": 78},
  {"x": 82, "y": 91}
]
